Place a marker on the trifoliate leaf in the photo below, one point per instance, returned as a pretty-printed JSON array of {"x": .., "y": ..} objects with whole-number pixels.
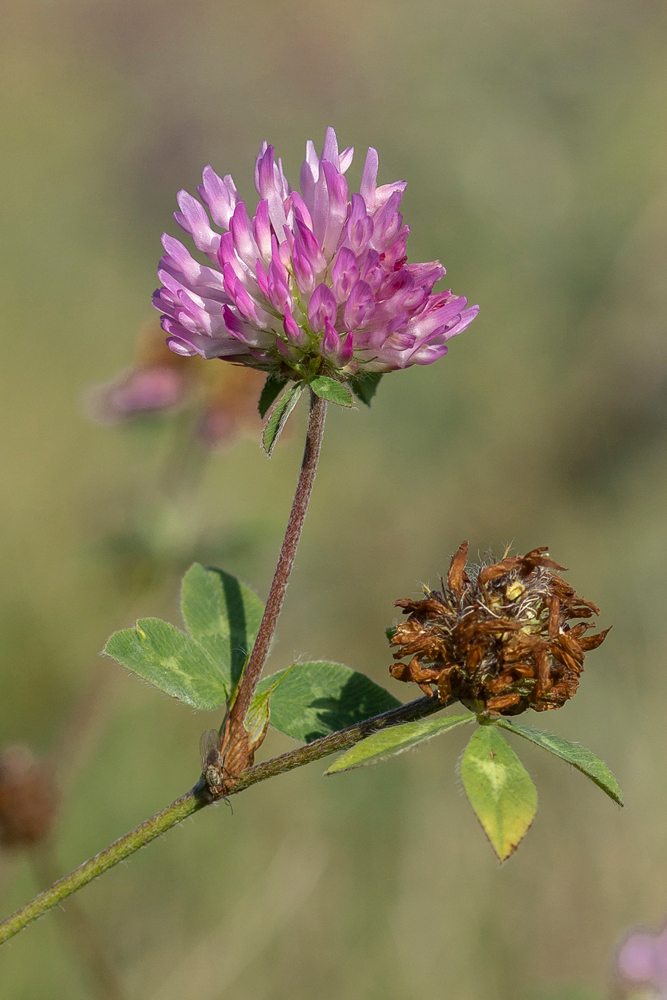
[
  {"x": 499, "y": 789},
  {"x": 223, "y": 616},
  {"x": 271, "y": 389},
  {"x": 365, "y": 386},
  {"x": 330, "y": 389},
  {"x": 279, "y": 416},
  {"x": 389, "y": 742},
  {"x": 202, "y": 668},
  {"x": 171, "y": 661},
  {"x": 320, "y": 697},
  {"x": 578, "y": 756}
]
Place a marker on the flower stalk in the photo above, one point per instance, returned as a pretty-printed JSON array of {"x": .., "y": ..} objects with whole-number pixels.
[{"x": 235, "y": 748}]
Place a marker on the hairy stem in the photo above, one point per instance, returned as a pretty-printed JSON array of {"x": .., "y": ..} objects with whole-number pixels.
[
  {"x": 341, "y": 740},
  {"x": 87, "y": 947},
  {"x": 200, "y": 796},
  {"x": 110, "y": 856},
  {"x": 274, "y": 603}
]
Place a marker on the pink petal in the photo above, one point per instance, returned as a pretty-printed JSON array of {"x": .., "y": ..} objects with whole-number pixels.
[
  {"x": 322, "y": 306},
  {"x": 345, "y": 274}
]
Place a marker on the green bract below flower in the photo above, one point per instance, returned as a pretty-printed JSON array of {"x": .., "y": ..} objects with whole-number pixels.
[{"x": 316, "y": 284}]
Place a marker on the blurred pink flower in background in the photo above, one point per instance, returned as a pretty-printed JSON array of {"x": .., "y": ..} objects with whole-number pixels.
[
  {"x": 641, "y": 965},
  {"x": 223, "y": 398},
  {"x": 139, "y": 390},
  {"x": 317, "y": 282}
]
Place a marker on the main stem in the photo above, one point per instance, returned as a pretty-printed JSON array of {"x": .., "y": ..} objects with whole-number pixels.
[
  {"x": 274, "y": 603},
  {"x": 199, "y": 797}
]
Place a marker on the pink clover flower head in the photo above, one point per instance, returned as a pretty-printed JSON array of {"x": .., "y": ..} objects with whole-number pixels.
[
  {"x": 315, "y": 283},
  {"x": 642, "y": 961}
]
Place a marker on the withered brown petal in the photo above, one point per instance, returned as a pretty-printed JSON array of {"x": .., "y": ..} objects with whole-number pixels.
[
  {"x": 432, "y": 606},
  {"x": 457, "y": 575},
  {"x": 444, "y": 684},
  {"x": 523, "y": 669},
  {"x": 407, "y": 605},
  {"x": 572, "y": 646},
  {"x": 579, "y": 630},
  {"x": 593, "y": 641},
  {"x": 489, "y": 573},
  {"x": 401, "y": 671},
  {"x": 580, "y": 611},
  {"x": 421, "y": 674},
  {"x": 543, "y": 676},
  {"x": 589, "y": 604},
  {"x": 503, "y": 701},
  {"x": 500, "y": 683},
  {"x": 474, "y": 656},
  {"x": 496, "y": 626},
  {"x": 566, "y": 658},
  {"x": 562, "y": 588},
  {"x": 536, "y": 558}
]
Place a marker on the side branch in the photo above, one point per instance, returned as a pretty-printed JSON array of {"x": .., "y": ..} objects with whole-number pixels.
[
  {"x": 341, "y": 740},
  {"x": 200, "y": 796}
]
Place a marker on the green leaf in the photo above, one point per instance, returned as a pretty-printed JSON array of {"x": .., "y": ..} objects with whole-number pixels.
[
  {"x": 271, "y": 389},
  {"x": 499, "y": 789},
  {"x": 578, "y": 756},
  {"x": 365, "y": 386},
  {"x": 320, "y": 697},
  {"x": 202, "y": 668},
  {"x": 279, "y": 416},
  {"x": 171, "y": 661},
  {"x": 389, "y": 742},
  {"x": 329, "y": 388},
  {"x": 223, "y": 616}
]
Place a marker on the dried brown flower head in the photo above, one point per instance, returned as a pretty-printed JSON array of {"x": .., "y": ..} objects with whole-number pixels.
[
  {"x": 500, "y": 638},
  {"x": 28, "y": 799}
]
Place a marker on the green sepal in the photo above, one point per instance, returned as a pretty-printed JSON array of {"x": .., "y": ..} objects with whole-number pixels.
[
  {"x": 331, "y": 390},
  {"x": 259, "y": 713},
  {"x": 578, "y": 756},
  {"x": 279, "y": 416},
  {"x": 320, "y": 697},
  {"x": 171, "y": 661},
  {"x": 365, "y": 386},
  {"x": 390, "y": 742},
  {"x": 271, "y": 389},
  {"x": 223, "y": 616},
  {"x": 257, "y": 717},
  {"x": 499, "y": 789}
]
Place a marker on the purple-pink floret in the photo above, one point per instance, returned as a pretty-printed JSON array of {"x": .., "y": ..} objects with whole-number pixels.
[{"x": 317, "y": 282}]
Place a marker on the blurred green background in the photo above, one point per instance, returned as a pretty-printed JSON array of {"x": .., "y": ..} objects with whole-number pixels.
[{"x": 533, "y": 137}]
